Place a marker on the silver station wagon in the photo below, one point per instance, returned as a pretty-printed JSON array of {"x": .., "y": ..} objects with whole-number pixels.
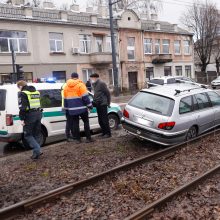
[{"x": 171, "y": 114}]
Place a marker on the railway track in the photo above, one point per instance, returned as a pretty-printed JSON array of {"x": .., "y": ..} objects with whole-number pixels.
[{"x": 22, "y": 207}]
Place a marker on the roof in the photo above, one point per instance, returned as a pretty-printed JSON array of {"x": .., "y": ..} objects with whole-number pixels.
[
  {"x": 9, "y": 12},
  {"x": 150, "y": 25},
  {"x": 170, "y": 90}
]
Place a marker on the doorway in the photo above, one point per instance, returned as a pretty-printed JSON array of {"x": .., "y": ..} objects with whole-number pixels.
[{"x": 132, "y": 79}]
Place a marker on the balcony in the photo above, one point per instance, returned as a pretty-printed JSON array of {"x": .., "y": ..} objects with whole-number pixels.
[
  {"x": 101, "y": 58},
  {"x": 161, "y": 58}
]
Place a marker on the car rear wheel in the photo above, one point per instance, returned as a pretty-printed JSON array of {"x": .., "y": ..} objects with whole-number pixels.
[
  {"x": 113, "y": 121},
  {"x": 42, "y": 140},
  {"x": 192, "y": 133}
]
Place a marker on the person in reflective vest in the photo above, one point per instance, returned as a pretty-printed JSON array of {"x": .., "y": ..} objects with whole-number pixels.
[
  {"x": 67, "y": 129},
  {"x": 30, "y": 115}
]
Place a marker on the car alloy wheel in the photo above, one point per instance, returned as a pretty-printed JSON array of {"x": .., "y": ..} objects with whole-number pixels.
[{"x": 192, "y": 133}]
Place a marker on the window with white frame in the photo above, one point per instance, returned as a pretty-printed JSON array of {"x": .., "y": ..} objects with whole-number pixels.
[
  {"x": 86, "y": 74},
  {"x": 108, "y": 44},
  {"x": 186, "y": 47},
  {"x": 177, "y": 46},
  {"x": 84, "y": 43},
  {"x": 166, "y": 46},
  {"x": 56, "y": 42},
  {"x": 188, "y": 71},
  {"x": 157, "y": 46},
  {"x": 111, "y": 77},
  {"x": 131, "y": 48},
  {"x": 179, "y": 70},
  {"x": 99, "y": 44},
  {"x": 13, "y": 39},
  {"x": 148, "y": 46}
]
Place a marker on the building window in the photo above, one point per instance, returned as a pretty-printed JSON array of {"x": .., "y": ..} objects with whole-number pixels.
[
  {"x": 86, "y": 74},
  {"x": 131, "y": 48},
  {"x": 149, "y": 73},
  {"x": 108, "y": 44},
  {"x": 188, "y": 71},
  {"x": 85, "y": 43},
  {"x": 177, "y": 46},
  {"x": 111, "y": 77},
  {"x": 179, "y": 70},
  {"x": 167, "y": 71},
  {"x": 56, "y": 42},
  {"x": 147, "y": 46},
  {"x": 15, "y": 39},
  {"x": 157, "y": 46},
  {"x": 99, "y": 44},
  {"x": 166, "y": 46},
  {"x": 186, "y": 47}
]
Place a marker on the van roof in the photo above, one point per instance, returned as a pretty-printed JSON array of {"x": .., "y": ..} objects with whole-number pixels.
[
  {"x": 36, "y": 85},
  {"x": 170, "y": 90}
]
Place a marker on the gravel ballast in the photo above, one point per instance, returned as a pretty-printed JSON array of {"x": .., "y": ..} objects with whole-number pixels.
[
  {"x": 22, "y": 178},
  {"x": 118, "y": 196}
]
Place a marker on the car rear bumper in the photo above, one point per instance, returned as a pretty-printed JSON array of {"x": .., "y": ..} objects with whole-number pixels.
[
  {"x": 159, "y": 138},
  {"x": 12, "y": 137}
]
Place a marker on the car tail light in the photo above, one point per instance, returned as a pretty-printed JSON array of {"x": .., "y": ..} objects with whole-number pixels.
[
  {"x": 167, "y": 125},
  {"x": 9, "y": 120},
  {"x": 125, "y": 113}
]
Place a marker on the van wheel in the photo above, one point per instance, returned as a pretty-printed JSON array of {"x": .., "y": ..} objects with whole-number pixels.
[
  {"x": 192, "y": 133},
  {"x": 42, "y": 140},
  {"x": 113, "y": 121}
]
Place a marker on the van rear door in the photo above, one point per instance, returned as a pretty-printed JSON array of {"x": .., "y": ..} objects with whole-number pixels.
[{"x": 3, "y": 127}]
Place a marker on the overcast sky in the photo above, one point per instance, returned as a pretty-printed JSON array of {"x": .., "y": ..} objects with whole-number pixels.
[{"x": 172, "y": 9}]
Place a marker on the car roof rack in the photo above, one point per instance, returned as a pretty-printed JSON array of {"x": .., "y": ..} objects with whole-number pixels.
[{"x": 188, "y": 90}]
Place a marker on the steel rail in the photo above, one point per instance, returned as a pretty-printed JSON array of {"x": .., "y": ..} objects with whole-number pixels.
[
  {"x": 144, "y": 212},
  {"x": 22, "y": 206}
]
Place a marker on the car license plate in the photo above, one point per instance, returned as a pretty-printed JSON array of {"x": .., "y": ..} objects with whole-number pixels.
[{"x": 144, "y": 122}]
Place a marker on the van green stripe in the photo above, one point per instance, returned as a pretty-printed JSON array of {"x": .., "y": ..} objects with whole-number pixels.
[{"x": 3, "y": 132}]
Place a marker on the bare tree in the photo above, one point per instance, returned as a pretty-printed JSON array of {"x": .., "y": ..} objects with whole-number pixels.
[
  {"x": 203, "y": 18},
  {"x": 35, "y": 3},
  {"x": 139, "y": 6},
  {"x": 65, "y": 6},
  {"x": 216, "y": 53}
]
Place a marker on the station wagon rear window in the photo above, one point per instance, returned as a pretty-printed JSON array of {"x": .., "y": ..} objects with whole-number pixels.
[
  {"x": 154, "y": 103},
  {"x": 2, "y": 99}
]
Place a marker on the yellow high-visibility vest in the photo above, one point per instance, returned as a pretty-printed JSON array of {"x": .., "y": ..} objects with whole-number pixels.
[{"x": 34, "y": 99}]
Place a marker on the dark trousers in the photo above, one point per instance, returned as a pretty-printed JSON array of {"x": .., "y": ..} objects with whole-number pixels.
[
  {"x": 32, "y": 131},
  {"x": 74, "y": 125},
  {"x": 67, "y": 129},
  {"x": 102, "y": 111}
]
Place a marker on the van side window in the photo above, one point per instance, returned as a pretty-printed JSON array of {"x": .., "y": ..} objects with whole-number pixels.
[
  {"x": 2, "y": 99},
  {"x": 171, "y": 80},
  {"x": 186, "y": 105},
  {"x": 202, "y": 100},
  {"x": 50, "y": 98},
  {"x": 214, "y": 97}
]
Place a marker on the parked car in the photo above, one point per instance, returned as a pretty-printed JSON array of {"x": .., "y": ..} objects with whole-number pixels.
[
  {"x": 164, "y": 80},
  {"x": 216, "y": 83},
  {"x": 167, "y": 115},
  {"x": 53, "y": 121}
]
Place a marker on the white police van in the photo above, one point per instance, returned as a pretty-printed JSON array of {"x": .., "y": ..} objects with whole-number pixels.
[{"x": 53, "y": 121}]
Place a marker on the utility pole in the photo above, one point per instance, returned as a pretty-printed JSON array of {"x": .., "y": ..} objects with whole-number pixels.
[
  {"x": 13, "y": 75},
  {"x": 114, "y": 61}
]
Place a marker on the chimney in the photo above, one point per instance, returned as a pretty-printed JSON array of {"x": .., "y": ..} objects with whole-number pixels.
[
  {"x": 74, "y": 7},
  {"x": 17, "y": 2},
  {"x": 89, "y": 9},
  {"x": 48, "y": 4},
  {"x": 103, "y": 11},
  {"x": 154, "y": 17},
  {"x": 157, "y": 24},
  {"x": 175, "y": 27}
]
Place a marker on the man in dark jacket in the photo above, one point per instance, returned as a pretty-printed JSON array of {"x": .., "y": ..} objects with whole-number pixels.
[
  {"x": 30, "y": 116},
  {"x": 102, "y": 100}
]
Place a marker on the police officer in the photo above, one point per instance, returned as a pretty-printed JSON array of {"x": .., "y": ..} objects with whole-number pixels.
[{"x": 30, "y": 115}]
